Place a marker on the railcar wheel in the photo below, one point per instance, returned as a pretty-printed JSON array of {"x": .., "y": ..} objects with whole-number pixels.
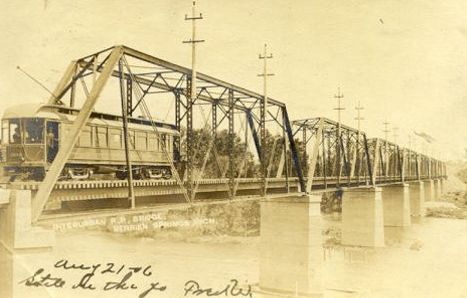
[
  {"x": 79, "y": 173},
  {"x": 121, "y": 174},
  {"x": 38, "y": 175},
  {"x": 166, "y": 174}
]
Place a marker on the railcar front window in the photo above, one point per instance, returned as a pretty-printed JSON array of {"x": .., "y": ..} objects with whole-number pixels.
[
  {"x": 5, "y": 136},
  {"x": 163, "y": 142},
  {"x": 33, "y": 130},
  {"x": 15, "y": 132}
]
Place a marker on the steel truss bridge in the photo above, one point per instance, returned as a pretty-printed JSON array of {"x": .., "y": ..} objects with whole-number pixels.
[{"x": 314, "y": 153}]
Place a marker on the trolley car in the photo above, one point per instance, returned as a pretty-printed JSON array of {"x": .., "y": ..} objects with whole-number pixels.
[{"x": 32, "y": 135}]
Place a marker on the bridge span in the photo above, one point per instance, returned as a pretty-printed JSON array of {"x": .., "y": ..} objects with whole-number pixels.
[{"x": 302, "y": 156}]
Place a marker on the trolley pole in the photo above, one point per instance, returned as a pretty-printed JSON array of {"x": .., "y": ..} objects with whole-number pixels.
[{"x": 263, "y": 115}]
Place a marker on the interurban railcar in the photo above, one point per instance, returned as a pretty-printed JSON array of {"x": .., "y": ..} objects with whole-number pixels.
[{"x": 33, "y": 134}]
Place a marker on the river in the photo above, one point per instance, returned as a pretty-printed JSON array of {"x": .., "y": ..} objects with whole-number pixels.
[{"x": 426, "y": 260}]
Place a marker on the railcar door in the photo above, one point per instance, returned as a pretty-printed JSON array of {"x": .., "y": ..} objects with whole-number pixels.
[{"x": 52, "y": 135}]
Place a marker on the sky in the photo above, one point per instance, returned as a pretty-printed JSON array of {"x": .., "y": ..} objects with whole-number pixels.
[{"x": 405, "y": 61}]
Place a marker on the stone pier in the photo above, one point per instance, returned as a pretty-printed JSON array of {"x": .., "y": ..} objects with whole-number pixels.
[
  {"x": 430, "y": 192},
  {"x": 362, "y": 217},
  {"x": 291, "y": 246},
  {"x": 417, "y": 199},
  {"x": 396, "y": 205},
  {"x": 16, "y": 229},
  {"x": 438, "y": 189},
  {"x": 442, "y": 186}
]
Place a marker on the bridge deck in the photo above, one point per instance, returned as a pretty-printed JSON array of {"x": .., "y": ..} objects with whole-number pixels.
[{"x": 69, "y": 191}]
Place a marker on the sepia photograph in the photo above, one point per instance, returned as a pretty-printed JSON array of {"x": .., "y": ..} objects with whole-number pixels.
[{"x": 247, "y": 148}]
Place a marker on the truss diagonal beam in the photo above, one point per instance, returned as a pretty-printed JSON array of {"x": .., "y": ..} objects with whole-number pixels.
[{"x": 63, "y": 154}]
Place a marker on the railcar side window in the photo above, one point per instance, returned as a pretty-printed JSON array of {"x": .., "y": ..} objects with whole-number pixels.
[
  {"x": 141, "y": 139},
  {"x": 131, "y": 139},
  {"x": 169, "y": 142},
  {"x": 85, "y": 137},
  {"x": 15, "y": 132},
  {"x": 152, "y": 142},
  {"x": 33, "y": 131},
  {"x": 101, "y": 137},
  {"x": 115, "y": 138},
  {"x": 163, "y": 142}
]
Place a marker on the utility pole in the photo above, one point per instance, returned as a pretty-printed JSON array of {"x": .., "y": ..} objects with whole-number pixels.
[
  {"x": 396, "y": 159},
  {"x": 356, "y": 158},
  {"x": 191, "y": 88},
  {"x": 356, "y": 153},
  {"x": 359, "y": 108},
  {"x": 263, "y": 113},
  {"x": 386, "y": 130},
  {"x": 395, "y": 129},
  {"x": 386, "y": 162},
  {"x": 129, "y": 168},
  {"x": 193, "y": 41},
  {"x": 339, "y": 108}
]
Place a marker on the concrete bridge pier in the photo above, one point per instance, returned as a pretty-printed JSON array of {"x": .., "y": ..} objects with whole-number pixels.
[
  {"x": 291, "y": 246},
  {"x": 442, "y": 186},
  {"x": 362, "y": 217},
  {"x": 430, "y": 191},
  {"x": 396, "y": 205},
  {"x": 417, "y": 199},
  {"x": 16, "y": 229},
  {"x": 438, "y": 189}
]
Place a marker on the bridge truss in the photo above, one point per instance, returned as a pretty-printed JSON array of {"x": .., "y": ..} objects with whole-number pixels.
[
  {"x": 143, "y": 78},
  {"x": 344, "y": 156},
  {"x": 339, "y": 155}
]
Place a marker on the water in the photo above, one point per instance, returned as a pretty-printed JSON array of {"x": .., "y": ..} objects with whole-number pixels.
[{"x": 426, "y": 260}]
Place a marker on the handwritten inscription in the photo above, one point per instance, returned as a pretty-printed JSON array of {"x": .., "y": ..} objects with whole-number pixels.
[
  {"x": 122, "y": 277},
  {"x": 193, "y": 288},
  {"x": 40, "y": 279}
]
